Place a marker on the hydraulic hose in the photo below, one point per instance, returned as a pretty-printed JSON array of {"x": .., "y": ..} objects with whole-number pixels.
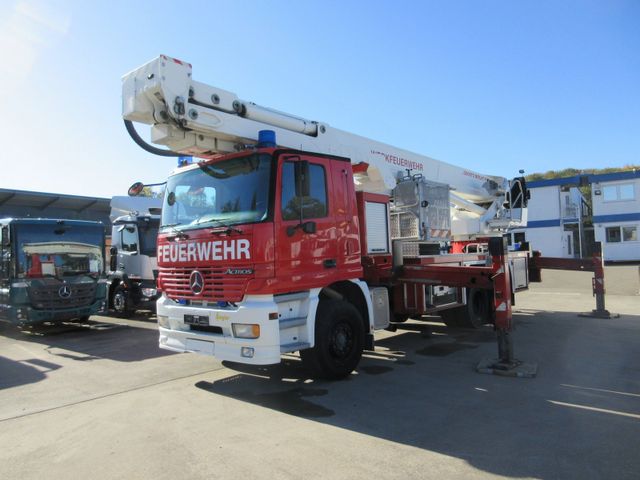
[{"x": 144, "y": 145}]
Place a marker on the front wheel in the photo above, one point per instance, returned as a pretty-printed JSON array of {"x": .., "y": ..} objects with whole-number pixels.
[
  {"x": 339, "y": 341},
  {"x": 121, "y": 303}
]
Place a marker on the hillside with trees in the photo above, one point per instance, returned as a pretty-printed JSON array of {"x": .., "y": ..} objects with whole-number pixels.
[{"x": 572, "y": 172}]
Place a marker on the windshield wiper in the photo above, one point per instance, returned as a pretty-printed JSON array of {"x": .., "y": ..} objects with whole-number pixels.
[
  {"x": 179, "y": 234},
  {"x": 229, "y": 228}
]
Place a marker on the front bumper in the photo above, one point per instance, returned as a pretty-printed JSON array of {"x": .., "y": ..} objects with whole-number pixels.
[
  {"x": 25, "y": 315},
  {"x": 219, "y": 342}
]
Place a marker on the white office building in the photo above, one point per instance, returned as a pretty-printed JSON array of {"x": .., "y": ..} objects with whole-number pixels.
[
  {"x": 616, "y": 214},
  {"x": 555, "y": 222}
]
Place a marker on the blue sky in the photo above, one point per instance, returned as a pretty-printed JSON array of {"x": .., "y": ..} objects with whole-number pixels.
[{"x": 495, "y": 86}]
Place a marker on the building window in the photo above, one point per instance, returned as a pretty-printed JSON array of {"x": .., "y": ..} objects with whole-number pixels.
[
  {"x": 613, "y": 234},
  {"x": 622, "y": 234},
  {"x": 629, "y": 234},
  {"x": 626, "y": 191},
  {"x": 616, "y": 193}
]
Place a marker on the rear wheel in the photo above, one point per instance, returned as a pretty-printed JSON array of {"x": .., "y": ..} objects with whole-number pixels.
[
  {"x": 339, "y": 340},
  {"x": 474, "y": 314}
]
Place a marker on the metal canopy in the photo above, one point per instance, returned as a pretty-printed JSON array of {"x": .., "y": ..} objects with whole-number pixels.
[{"x": 23, "y": 203}]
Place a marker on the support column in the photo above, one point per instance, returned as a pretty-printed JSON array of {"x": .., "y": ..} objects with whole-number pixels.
[
  {"x": 598, "y": 286},
  {"x": 505, "y": 364}
]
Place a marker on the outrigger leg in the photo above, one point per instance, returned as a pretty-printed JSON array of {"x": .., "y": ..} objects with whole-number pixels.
[
  {"x": 505, "y": 364},
  {"x": 598, "y": 287}
]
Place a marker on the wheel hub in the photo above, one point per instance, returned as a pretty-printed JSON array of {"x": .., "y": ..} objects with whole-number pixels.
[
  {"x": 342, "y": 340},
  {"x": 118, "y": 302}
]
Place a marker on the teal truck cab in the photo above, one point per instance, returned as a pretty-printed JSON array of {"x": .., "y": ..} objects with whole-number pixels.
[{"x": 51, "y": 270}]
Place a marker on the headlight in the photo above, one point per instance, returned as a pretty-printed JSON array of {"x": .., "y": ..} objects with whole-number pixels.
[
  {"x": 163, "y": 321},
  {"x": 149, "y": 292},
  {"x": 245, "y": 330}
]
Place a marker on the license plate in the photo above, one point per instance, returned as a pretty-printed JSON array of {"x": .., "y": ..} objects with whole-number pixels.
[{"x": 196, "y": 320}]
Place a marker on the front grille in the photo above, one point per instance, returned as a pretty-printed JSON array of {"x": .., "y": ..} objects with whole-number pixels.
[
  {"x": 218, "y": 285},
  {"x": 206, "y": 328},
  {"x": 47, "y": 297}
]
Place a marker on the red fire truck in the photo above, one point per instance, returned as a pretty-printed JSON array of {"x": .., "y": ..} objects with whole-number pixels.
[{"x": 290, "y": 235}]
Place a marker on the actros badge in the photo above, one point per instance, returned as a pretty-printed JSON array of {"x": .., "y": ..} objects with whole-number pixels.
[{"x": 239, "y": 271}]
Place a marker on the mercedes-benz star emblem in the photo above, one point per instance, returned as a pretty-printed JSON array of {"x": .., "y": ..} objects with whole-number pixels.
[
  {"x": 196, "y": 282},
  {"x": 64, "y": 291}
]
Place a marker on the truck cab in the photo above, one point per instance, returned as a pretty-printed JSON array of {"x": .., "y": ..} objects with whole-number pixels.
[
  {"x": 51, "y": 270},
  {"x": 133, "y": 264}
]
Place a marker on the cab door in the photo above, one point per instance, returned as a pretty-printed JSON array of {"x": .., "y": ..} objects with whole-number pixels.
[
  {"x": 306, "y": 248},
  {"x": 128, "y": 250}
]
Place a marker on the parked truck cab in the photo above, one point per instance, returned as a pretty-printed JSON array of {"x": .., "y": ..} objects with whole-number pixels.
[
  {"x": 133, "y": 266},
  {"x": 51, "y": 270}
]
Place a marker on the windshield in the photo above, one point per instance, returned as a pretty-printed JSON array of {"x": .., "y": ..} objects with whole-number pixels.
[
  {"x": 50, "y": 250},
  {"x": 148, "y": 231},
  {"x": 224, "y": 193}
]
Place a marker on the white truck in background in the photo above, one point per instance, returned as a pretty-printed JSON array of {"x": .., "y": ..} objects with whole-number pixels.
[{"x": 133, "y": 265}]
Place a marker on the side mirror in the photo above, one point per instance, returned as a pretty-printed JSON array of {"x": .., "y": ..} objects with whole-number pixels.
[
  {"x": 135, "y": 189},
  {"x": 306, "y": 227},
  {"x": 309, "y": 227},
  {"x": 113, "y": 251}
]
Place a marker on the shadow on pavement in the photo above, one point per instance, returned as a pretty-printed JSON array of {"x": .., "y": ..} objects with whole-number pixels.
[
  {"x": 419, "y": 388},
  {"x": 15, "y": 373},
  {"x": 113, "y": 339}
]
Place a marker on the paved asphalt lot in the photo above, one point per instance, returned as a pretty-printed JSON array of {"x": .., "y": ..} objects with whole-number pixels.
[{"x": 105, "y": 402}]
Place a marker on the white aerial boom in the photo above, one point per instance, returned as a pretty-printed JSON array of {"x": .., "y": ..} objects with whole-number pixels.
[{"x": 196, "y": 119}]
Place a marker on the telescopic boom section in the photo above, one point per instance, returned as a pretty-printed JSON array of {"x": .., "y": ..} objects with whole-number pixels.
[{"x": 196, "y": 119}]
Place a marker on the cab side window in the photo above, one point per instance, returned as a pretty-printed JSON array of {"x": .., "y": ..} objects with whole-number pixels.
[
  {"x": 295, "y": 204},
  {"x": 129, "y": 239}
]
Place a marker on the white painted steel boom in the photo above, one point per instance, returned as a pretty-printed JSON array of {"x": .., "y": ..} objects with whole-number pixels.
[{"x": 200, "y": 120}]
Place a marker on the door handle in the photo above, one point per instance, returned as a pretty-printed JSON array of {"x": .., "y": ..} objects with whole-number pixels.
[{"x": 330, "y": 263}]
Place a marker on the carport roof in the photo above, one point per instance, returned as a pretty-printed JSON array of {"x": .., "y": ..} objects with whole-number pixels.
[{"x": 42, "y": 200}]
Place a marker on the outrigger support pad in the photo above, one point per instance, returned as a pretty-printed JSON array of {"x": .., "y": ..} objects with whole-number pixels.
[{"x": 506, "y": 365}]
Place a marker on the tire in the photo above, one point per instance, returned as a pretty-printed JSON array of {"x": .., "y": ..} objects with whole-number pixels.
[
  {"x": 120, "y": 302},
  {"x": 339, "y": 341},
  {"x": 474, "y": 314}
]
